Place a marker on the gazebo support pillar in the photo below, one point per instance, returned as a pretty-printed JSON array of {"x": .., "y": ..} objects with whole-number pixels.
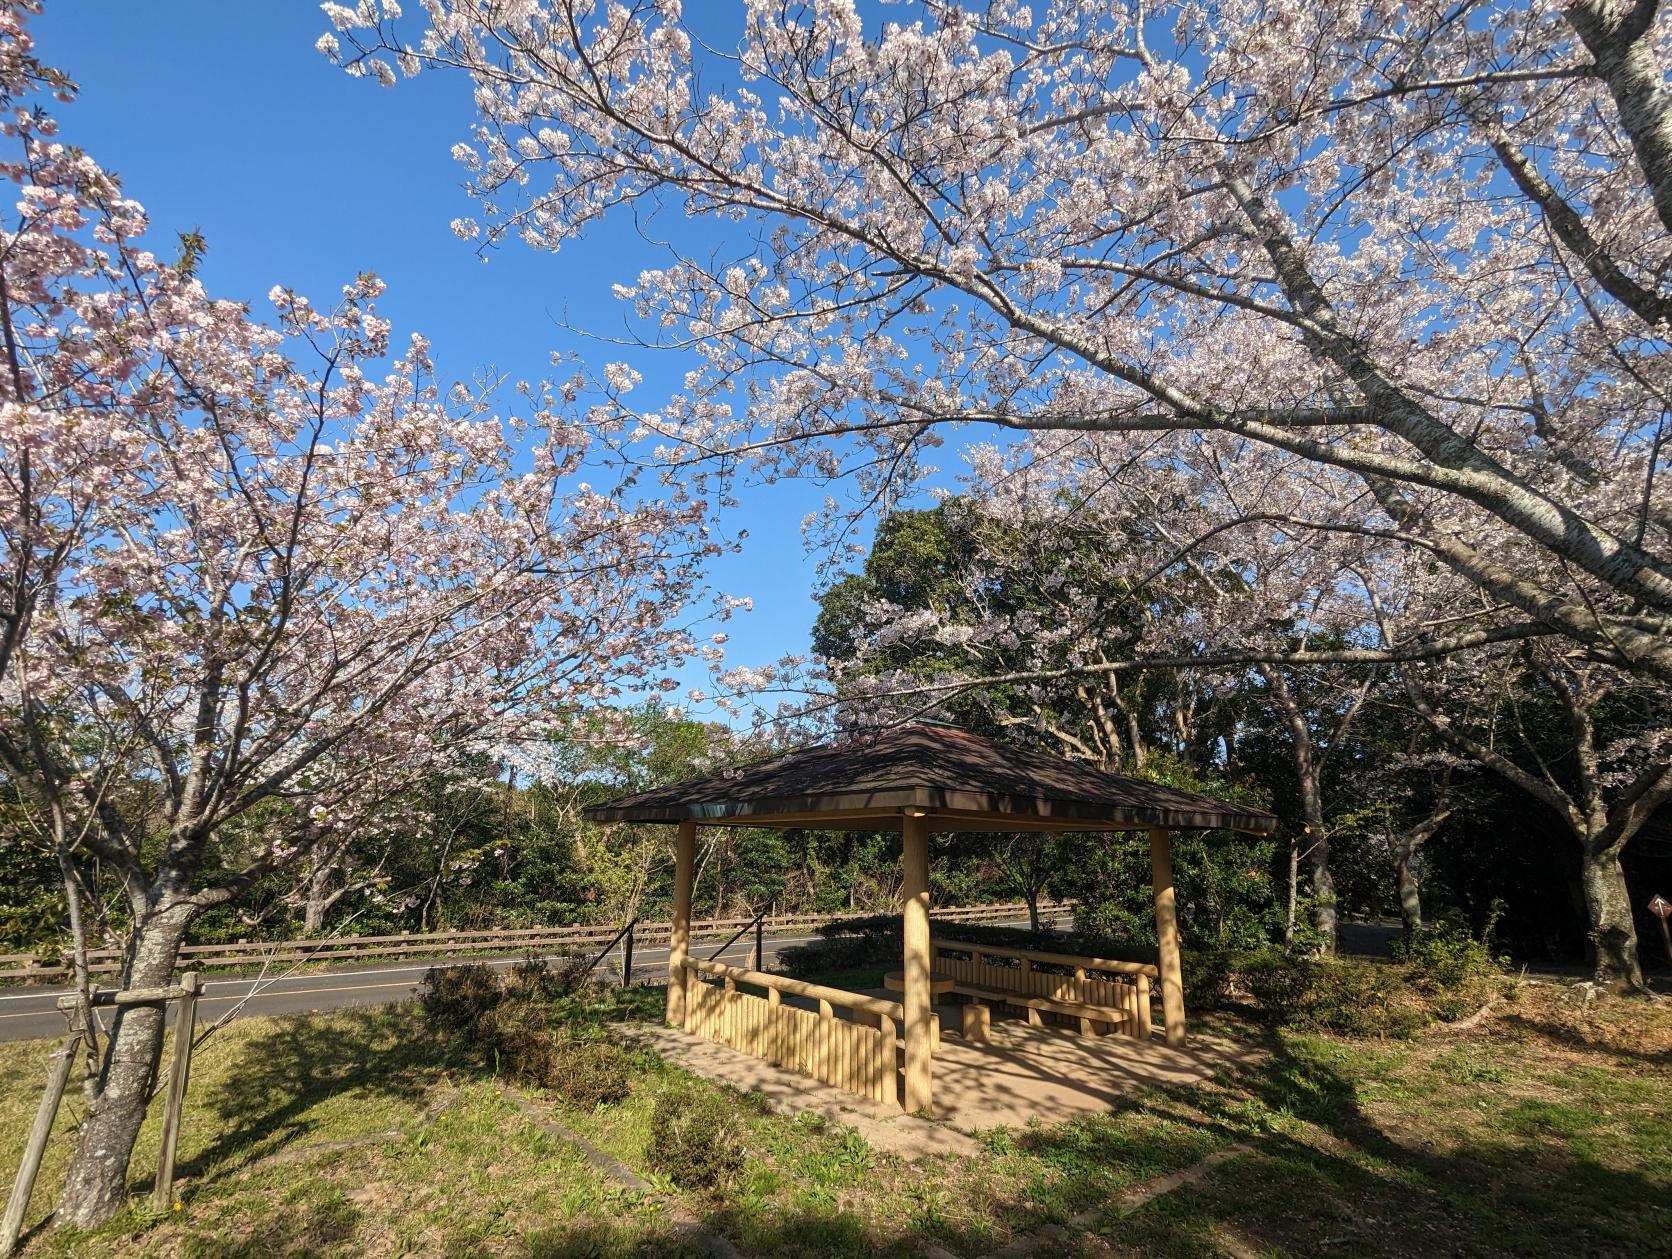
[
  {"x": 1167, "y": 936},
  {"x": 914, "y": 854},
  {"x": 679, "y": 931}
]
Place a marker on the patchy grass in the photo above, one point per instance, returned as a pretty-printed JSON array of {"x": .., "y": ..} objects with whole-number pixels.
[{"x": 1546, "y": 1132}]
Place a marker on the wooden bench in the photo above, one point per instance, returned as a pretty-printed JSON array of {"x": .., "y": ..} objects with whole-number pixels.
[{"x": 978, "y": 1018}]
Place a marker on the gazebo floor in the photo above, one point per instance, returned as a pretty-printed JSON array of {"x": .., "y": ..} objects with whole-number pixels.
[
  {"x": 1050, "y": 1074},
  {"x": 1053, "y": 1074}
]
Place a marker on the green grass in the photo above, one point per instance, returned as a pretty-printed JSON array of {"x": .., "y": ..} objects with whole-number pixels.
[{"x": 361, "y": 1132}]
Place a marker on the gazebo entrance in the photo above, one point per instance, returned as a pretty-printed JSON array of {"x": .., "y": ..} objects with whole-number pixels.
[{"x": 923, "y": 779}]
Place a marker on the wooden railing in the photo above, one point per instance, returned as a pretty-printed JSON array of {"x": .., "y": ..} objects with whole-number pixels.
[
  {"x": 27, "y": 966},
  {"x": 859, "y": 1054},
  {"x": 1099, "y": 981}
]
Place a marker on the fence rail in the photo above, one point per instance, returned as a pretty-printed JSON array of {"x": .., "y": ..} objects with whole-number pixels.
[{"x": 27, "y": 966}]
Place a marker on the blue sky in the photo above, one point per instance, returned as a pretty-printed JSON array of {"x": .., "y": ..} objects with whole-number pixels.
[{"x": 221, "y": 116}]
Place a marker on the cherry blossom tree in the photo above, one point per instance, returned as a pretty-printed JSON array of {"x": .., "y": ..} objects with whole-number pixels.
[
  {"x": 1414, "y": 255},
  {"x": 1420, "y": 247},
  {"x": 265, "y": 568}
]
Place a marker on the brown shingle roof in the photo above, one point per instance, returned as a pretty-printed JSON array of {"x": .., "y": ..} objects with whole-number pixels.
[{"x": 969, "y": 782}]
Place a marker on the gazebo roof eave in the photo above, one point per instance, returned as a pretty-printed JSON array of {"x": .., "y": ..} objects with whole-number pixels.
[{"x": 884, "y": 811}]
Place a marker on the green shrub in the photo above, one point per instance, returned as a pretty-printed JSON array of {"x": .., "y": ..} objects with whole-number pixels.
[
  {"x": 847, "y": 944},
  {"x": 1279, "y": 983},
  {"x": 538, "y": 979},
  {"x": 539, "y": 1023},
  {"x": 1362, "y": 999},
  {"x": 457, "y": 998},
  {"x": 696, "y": 1138},
  {"x": 585, "y": 1073},
  {"x": 1446, "y": 956},
  {"x": 1208, "y": 976},
  {"x": 512, "y": 1031},
  {"x": 1351, "y": 998},
  {"x": 876, "y": 940}
]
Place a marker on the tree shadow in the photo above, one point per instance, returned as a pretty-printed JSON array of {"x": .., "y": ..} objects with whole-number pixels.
[
  {"x": 1372, "y": 1191},
  {"x": 263, "y": 1099}
]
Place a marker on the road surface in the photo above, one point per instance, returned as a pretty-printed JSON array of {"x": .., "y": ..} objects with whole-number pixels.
[{"x": 27, "y": 1014}]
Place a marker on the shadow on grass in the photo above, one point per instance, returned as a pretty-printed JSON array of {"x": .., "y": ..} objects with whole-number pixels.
[
  {"x": 812, "y": 1236},
  {"x": 262, "y": 1100},
  {"x": 1456, "y": 1166},
  {"x": 1474, "y": 1172}
]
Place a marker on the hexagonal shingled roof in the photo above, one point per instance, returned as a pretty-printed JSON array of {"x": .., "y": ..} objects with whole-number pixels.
[{"x": 964, "y": 781}]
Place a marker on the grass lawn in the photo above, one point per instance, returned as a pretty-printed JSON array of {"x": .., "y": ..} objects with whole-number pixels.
[{"x": 1546, "y": 1132}]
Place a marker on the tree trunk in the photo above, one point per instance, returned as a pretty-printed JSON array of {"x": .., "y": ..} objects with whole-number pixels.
[
  {"x": 1312, "y": 810},
  {"x": 319, "y": 899},
  {"x": 1410, "y": 892},
  {"x": 97, "y": 1183},
  {"x": 1294, "y": 892},
  {"x": 1323, "y": 891},
  {"x": 1608, "y": 917},
  {"x": 78, "y": 953},
  {"x": 1033, "y": 906}
]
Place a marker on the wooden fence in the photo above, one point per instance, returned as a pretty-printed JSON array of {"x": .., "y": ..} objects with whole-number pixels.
[
  {"x": 26, "y": 966},
  {"x": 1123, "y": 986},
  {"x": 859, "y": 1054}
]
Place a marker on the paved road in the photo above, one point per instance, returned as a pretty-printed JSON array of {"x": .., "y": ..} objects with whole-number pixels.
[{"x": 26, "y": 1014}]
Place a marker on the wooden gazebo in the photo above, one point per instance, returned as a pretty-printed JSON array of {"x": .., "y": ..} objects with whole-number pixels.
[{"x": 920, "y": 778}]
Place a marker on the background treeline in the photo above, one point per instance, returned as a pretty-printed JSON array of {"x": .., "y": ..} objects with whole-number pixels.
[
  {"x": 1376, "y": 820},
  {"x": 506, "y": 848},
  {"x": 1381, "y": 817}
]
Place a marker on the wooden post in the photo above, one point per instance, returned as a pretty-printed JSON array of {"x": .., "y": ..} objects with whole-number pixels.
[
  {"x": 679, "y": 930},
  {"x": 914, "y": 854},
  {"x": 185, "y": 1028},
  {"x": 1167, "y": 936},
  {"x": 57, "y": 1076},
  {"x": 1145, "y": 1015}
]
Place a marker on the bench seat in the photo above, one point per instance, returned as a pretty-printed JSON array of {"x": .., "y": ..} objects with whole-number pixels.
[{"x": 1089, "y": 1015}]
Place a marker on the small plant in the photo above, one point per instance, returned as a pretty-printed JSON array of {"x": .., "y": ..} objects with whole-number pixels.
[
  {"x": 696, "y": 1138},
  {"x": 1361, "y": 999},
  {"x": 1208, "y": 975}
]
